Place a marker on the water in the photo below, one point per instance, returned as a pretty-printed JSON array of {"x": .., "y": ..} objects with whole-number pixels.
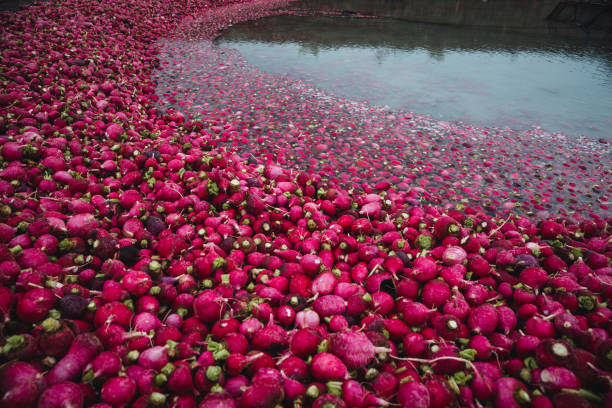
[{"x": 475, "y": 75}]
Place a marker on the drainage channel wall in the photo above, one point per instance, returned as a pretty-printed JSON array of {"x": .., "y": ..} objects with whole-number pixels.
[{"x": 507, "y": 14}]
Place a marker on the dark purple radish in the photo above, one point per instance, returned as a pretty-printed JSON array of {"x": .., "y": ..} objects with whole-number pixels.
[
  {"x": 72, "y": 306},
  {"x": 20, "y": 385},
  {"x": 62, "y": 395},
  {"x": 603, "y": 355}
]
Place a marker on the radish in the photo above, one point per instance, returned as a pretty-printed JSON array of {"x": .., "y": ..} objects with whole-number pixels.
[
  {"x": 440, "y": 394},
  {"x": 103, "y": 366},
  {"x": 328, "y": 305},
  {"x": 511, "y": 393},
  {"x": 208, "y": 306},
  {"x": 84, "y": 348},
  {"x": 483, "y": 319},
  {"x": 329, "y": 401},
  {"x": 20, "y": 347},
  {"x": 82, "y": 225},
  {"x": 453, "y": 255},
  {"x": 266, "y": 390},
  {"x": 436, "y": 293},
  {"x": 55, "y": 338},
  {"x": 328, "y": 367},
  {"x": 217, "y": 400},
  {"x": 154, "y": 357},
  {"x": 554, "y": 378},
  {"x": 118, "y": 391},
  {"x": 413, "y": 394},
  {"x": 305, "y": 342},
  {"x": 62, "y": 395},
  {"x": 35, "y": 304},
  {"x": 354, "y": 348},
  {"x": 20, "y": 384}
]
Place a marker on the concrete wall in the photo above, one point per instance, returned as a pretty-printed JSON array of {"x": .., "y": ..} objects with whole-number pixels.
[{"x": 523, "y": 14}]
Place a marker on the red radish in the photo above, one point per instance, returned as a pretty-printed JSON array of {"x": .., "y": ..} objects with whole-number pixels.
[
  {"x": 328, "y": 367},
  {"x": 553, "y": 352},
  {"x": 511, "y": 393},
  {"x": 118, "y": 391},
  {"x": 56, "y": 337},
  {"x": 272, "y": 336},
  {"x": 82, "y": 225},
  {"x": 533, "y": 277},
  {"x": 453, "y": 255},
  {"x": 483, "y": 319},
  {"x": 61, "y": 395},
  {"x": 217, "y": 400},
  {"x": 354, "y": 348},
  {"x": 324, "y": 283},
  {"x": 413, "y": 394},
  {"x": 440, "y": 394},
  {"x": 554, "y": 378},
  {"x": 305, "y": 342},
  {"x": 104, "y": 366},
  {"x": 20, "y": 384},
  {"x": 208, "y": 306},
  {"x": 329, "y": 401},
  {"x": 306, "y": 318},
  {"x": 436, "y": 293},
  {"x": 424, "y": 269},
  {"x": 266, "y": 390},
  {"x": 113, "y": 312},
  {"x": 35, "y": 304},
  {"x": 328, "y": 305},
  {"x": 154, "y": 357},
  {"x": 20, "y": 347},
  {"x": 84, "y": 348}
]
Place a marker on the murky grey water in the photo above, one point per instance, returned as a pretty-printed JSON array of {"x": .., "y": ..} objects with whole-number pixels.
[{"x": 476, "y": 75}]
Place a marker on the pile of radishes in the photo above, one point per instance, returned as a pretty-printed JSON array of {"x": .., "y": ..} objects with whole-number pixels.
[{"x": 142, "y": 264}]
